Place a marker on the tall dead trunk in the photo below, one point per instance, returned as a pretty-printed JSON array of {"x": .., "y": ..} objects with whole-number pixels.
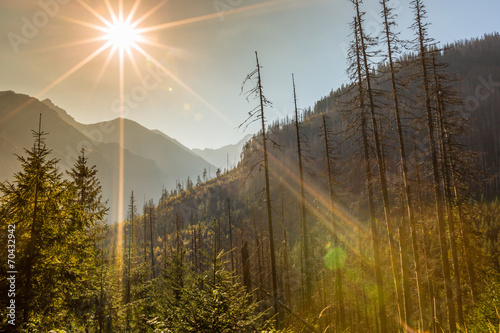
[
  {"x": 445, "y": 171},
  {"x": 259, "y": 257},
  {"x": 362, "y": 270},
  {"x": 404, "y": 165},
  {"x": 369, "y": 185},
  {"x": 286, "y": 263},
  {"x": 441, "y": 224},
  {"x": 145, "y": 236},
  {"x": 338, "y": 271},
  {"x": 303, "y": 221},
  {"x": 245, "y": 260},
  {"x": 381, "y": 165},
  {"x": 465, "y": 232},
  {"x": 153, "y": 269},
  {"x": 268, "y": 198},
  {"x": 430, "y": 284},
  {"x": 405, "y": 274},
  {"x": 230, "y": 234}
]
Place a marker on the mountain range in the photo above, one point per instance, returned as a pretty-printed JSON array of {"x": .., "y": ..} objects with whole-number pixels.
[{"x": 152, "y": 160}]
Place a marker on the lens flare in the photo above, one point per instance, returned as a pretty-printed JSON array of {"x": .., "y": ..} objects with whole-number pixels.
[{"x": 335, "y": 258}]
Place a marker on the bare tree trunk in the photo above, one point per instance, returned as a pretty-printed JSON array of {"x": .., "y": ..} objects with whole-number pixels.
[
  {"x": 338, "y": 271},
  {"x": 259, "y": 257},
  {"x": 405, "y": 274},
  {"x": 362, "y": 269},
  {"x": 245, "y": 259},
  {"x": 404, "y": 166},
  {"x": 193, "y": 248},
  {"x": 303, "y": 221},
  {"x": 381, "y": 167},
  {"x": 145, "y": 238},
  {"x": 369, "y": 185},
  {"x": 268, "y": 198},
  {"x": 230, "y": 235},
  {"x": 430, "y": 285},
  {"x": 445, "y": 166},
  {"x": 153, "y": 269},
  {"x": 286, "y": 263},
  {"x": 435, "y": 170}
]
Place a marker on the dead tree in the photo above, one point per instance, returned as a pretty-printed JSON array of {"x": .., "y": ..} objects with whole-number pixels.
[
  {"x": 258, "y": 114},
  {"x": 391, "y": 38},
  {"x": 364, "y": 42},
  {"x": 422, "y": 42}
]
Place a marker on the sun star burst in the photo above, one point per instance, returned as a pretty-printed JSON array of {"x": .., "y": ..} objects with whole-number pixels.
[{"x": 122, "y": 34}]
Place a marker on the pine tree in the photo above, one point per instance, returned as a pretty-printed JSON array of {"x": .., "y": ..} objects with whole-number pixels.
[
  {"x": 88, "y": 229},
  {"x": 30, "y": 203}
]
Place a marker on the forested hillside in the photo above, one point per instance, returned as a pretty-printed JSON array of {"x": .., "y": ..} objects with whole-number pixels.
[{"x": 375, "y": 210}]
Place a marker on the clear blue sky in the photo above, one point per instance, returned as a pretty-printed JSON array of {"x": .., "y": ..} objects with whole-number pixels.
[{"x": 209, "y": 57}]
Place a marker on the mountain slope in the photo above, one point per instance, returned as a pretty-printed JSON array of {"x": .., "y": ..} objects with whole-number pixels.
[{"x": 169, "y": 154}]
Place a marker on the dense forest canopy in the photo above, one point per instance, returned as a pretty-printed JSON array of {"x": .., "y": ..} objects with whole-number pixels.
[{"x": 375, "y": 210}]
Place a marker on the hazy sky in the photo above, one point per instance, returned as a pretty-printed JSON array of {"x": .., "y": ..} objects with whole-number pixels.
[{"x": 208, "y": 50}]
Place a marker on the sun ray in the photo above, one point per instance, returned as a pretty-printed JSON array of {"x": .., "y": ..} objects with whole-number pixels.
[
  {"x": 83, "y": 23},
  {"x": 322, "y": 198},
  {"x": 148, "y": 13},
  {"x": 134, "y": 63},
  {"x": 111, "y": 11},
  {"x": 120, "y": 10},
  {"x": 210, "y": 16},
  {"x": 183, "y": 84},
  {"x": 72, "y": 70},
  {"x": 16, "y": 110},
  {"x": 161, "y": 46},
  {"x": 121, "y": 149},
  {"x": 101, "y": 72},
  {"x": 93, "y": 12},
  {"x": 75, "y": 43},
  {"x": 132, "y": 11}
]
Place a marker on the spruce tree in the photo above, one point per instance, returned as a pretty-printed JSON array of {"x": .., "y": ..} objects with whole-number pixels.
[
  {"x": 52, "y": 242},
  {"x": 88, "y": 230}
]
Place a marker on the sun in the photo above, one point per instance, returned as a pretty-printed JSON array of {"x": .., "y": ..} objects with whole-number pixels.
[{"x": 122, "y": 34}]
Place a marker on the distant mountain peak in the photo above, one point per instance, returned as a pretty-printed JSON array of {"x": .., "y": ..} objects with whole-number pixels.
[
  {"x": 220, "y": 157},
  {"x": 63, "y": 114},
  {"x": 6, "y": 92}
]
